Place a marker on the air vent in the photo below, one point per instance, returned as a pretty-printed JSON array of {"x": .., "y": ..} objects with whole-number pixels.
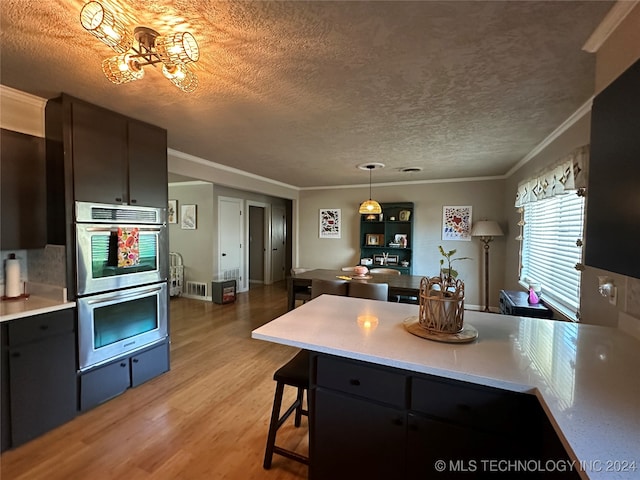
[
  {"x": 196, "y": 289},
  {"x": 128, "y": 215},
  {"x": 105, "y": 213},
  {"x": 411, "y": 169}
]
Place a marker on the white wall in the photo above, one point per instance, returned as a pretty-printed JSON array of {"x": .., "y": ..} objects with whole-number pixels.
[
  {"x": 485, "y": 196},
  {"x": 195, "y": 246}
]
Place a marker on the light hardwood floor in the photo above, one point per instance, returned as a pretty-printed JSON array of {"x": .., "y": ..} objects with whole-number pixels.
[{"x": 205, "y": 419}]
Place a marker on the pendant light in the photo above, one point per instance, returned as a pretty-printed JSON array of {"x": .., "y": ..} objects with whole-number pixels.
[{"x": 370, "y": 206}]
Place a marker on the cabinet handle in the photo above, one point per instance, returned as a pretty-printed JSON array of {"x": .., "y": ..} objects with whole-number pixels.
[
  {"x": 135, "y": 360},
  {"x": 355, "y": 382},
  {"x": 123, "y": 364},
  {"x": 133, "y": 200},
  {"x": 44, "y": 327},
  {"x": 118, "y": 199},
  {"x": 15, "y": 354}
]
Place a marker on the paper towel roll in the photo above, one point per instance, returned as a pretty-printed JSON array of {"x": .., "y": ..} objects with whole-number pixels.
[{"x": 12, "y": 284}]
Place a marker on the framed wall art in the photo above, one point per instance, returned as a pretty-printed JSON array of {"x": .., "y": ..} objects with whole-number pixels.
[
  {"x": 456, "y": 223},
  {"x": 189, "y": 217},
  {"x": 330, "y": 219},
  {"x": 374, "y": 239},
  {"x": 172, "y": 211}
]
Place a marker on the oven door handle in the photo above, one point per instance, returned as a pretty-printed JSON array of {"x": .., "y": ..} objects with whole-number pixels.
[
  {"x": 109, "y": 228},
  {"x": 121, "y": 296}
]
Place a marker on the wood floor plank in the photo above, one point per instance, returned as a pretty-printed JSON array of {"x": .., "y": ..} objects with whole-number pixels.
[{"x": 207, "y": 418}]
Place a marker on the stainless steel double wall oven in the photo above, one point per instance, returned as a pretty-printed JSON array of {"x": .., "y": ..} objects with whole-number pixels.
[{"x": 122, "y": 268}]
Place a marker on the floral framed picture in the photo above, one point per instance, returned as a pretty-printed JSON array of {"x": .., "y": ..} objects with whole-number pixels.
[
  {"x": 189, "y": 218},
  {"x": 172, "y": 211},
  {"x": 330, "y": 223},
  {"x": 456, "y": 223}
]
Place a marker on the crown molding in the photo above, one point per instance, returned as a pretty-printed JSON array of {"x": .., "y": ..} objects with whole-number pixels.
[
  {"x": 219, "y": 166},
  {"x": 22, "y": 112},
  {"x": 22, "y": 97},
  {"x": 564, "y": 126},
  {"x": 608, "y": 25}
]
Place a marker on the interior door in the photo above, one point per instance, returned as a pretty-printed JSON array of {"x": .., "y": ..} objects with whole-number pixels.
[
  {"x": 230, "y": 241},
  {"x": 278, "y": 243},
  {"x": 256, "y": 244}
]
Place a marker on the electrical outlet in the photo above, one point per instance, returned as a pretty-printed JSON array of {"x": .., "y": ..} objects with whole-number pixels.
[{"x": 613, "y": 297}]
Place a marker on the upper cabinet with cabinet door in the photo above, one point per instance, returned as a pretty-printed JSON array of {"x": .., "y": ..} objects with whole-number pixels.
[
  {"x": 107, "y": 157},
  {"x": 23, "y": 199}
]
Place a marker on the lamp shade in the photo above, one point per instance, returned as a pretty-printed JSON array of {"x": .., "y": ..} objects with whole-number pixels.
[
  {"x": 370, "y": 206},
  {"x": 181, "y": 77},
  {"x": 122, "y": 69},
  {"x": 178, "y": 48},
  {"x": 103, "y": 25},
  {"x": 486, "y": 228}
]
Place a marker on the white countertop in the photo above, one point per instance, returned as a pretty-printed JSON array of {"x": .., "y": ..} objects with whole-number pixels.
[
  {"x": 586, "y": 377},
  {"x": 42, "y": 299}
]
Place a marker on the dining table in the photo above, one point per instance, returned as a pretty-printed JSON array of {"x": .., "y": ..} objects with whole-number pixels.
[{"x": 399, "y": 285}]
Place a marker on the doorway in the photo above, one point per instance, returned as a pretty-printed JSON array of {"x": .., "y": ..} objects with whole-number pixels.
[
  {"x": 230, "y": 239},
  {"x": 278, "y": 243},
  {"x": 259, "y": 242}
]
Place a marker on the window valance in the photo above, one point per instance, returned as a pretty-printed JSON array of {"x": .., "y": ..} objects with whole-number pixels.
[{"x": 569, "y": 174}]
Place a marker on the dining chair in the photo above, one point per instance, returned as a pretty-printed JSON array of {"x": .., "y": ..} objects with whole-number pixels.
[
  {"x": 331, "y": 287},
  {"x": 388, "y": 271},
  {"x": 301, "y": 293},
  {"x": 374, "y": 291}
]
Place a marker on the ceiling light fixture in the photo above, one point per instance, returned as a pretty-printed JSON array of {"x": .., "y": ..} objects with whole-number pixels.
[
  {"x": 370, "y": 206},
  {"x": 144, "y": 47}
]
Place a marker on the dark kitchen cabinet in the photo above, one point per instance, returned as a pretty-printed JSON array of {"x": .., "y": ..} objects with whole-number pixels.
[
  {"x": 148, "y": 174},
  {"x": 110, "y": 380},
  {"x": 99, "y": 153},
  {"x": 430, "y": 440},
  {"x": 106, "y": 157},
  {"x": 23, "y": 194},
  {"x": 613, "y": 196},
  {"x": 356, "y": 438},
  {"x": 5, "y": 411},
  {"x": 370, "y": 421},
  {"x": 42, "y": 374}
]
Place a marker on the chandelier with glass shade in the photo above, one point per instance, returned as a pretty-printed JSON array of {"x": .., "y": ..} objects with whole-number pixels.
[{"x": 143, "y": 47}]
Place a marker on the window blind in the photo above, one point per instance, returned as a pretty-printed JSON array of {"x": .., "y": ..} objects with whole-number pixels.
[{"x": 549, "y": 251}]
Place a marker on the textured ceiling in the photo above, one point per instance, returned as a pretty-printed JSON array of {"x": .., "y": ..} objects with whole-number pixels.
[{"x": 303, "y": 92}]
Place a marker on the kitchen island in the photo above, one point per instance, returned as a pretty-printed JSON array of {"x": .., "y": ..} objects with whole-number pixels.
[{"x": 585, "y": 377}]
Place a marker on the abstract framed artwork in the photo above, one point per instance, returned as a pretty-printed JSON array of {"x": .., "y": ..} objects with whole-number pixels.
[
  {"x": 330, "y": 219},
  {"x": 189, "y": 217},
  {"x": 456, "y": 223}
]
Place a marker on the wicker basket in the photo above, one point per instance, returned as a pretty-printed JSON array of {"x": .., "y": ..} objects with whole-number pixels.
[{"x": 441, "y": 305}]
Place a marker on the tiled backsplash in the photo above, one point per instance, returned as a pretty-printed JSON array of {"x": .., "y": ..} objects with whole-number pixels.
[
  {"x": 46, "y": 265},
  {"x": 633, "y": 297}
]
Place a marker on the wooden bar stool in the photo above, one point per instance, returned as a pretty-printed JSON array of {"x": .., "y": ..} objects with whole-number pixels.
[{"x": 294, "y": 373}]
